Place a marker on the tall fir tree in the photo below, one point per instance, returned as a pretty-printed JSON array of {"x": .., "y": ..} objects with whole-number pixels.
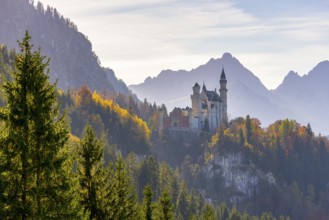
[
  {"x": 208, "y": 213},
  {"x": 91, "y": 174},
  {"x": 223, "y": 212},
  {"x": 33, "y": 140},
  {"x": 166, "y": 207},
  {"x": 182, "y": 208},
  {"x": 147, "y": 203},
  {"x": 148, "y": 175},
  {"x": 122, "y": 198}
]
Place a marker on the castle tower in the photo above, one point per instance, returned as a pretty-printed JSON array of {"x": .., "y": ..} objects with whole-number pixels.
[
  {"x": 223, "y": 95},
  {"x": 196, "y": 104}
]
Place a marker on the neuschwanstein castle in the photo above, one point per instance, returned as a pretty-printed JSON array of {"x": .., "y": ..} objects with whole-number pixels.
[{"x": 209, "y": 110}]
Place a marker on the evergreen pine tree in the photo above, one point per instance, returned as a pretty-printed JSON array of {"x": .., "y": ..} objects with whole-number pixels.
[
  {"x": 208, "y": 213},
  {"x": 235, "y": 214},
  {"x": 241, "y": 138},
  {"x": 166, "y": 207},
  {"x": 224, "y": 212},
  {"x": 182, "y": 202},
  {"x": 148, "y": 174},
  {"x": 122, "y": 199},
  {"x": 91, "y": 173},
  {"x": 148, "y": 206},
  {"x": 33, "y": 140}
]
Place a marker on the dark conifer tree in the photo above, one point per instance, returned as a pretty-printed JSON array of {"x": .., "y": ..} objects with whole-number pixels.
[
  {"x": 166, "y": 207},
  {"x": 122, "y": 199},
  {"x": 241, "y": 138},
  {"x": 248, "y": 129},
  {"x": 91, "y": 174},
  {"x": 182, "y": 202},
  {"x": 224, "y": 212},
  {"x": 148, "y": 206},
  {"x": 148, "y": 174},
  {"x": 208, "y": 212},
  {"x": 33, "y": 141}
]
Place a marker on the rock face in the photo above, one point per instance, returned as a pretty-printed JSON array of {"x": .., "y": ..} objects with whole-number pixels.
[
  {"x": 72, "y": 61},
  {"x": 243, "y": 178},
  {"x": 119, "y": 85}
]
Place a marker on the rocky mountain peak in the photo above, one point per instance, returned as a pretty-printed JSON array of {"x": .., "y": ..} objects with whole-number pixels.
[
  {"x": 227, "y": 56},
  {"x": 291, "y": 77},
  {"x": 320, "y": 70}
]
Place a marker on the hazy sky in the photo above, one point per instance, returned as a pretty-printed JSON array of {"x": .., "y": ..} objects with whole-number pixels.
[{"x": 139, "y": 38}]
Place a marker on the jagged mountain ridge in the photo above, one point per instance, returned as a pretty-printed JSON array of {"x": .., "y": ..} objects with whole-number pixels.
[
  {"x": 304, "y": 99},
  {"x": 73, "y": 63},
  {"x": 308, "y": 95},
  {"x": 246, "y": 93}
]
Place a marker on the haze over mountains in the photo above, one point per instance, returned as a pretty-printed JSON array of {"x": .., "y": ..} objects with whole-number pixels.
[
  {"x": 302, "y": 98},
  {"x": 73, "y": 61},
  {"x": 308, "y": 96}
]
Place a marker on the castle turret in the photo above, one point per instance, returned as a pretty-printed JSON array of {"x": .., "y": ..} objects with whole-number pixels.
[
  {"x": 196, "y": 89},
  {"x": 196, "y": 104},
  {"x": 223, "y": 95}
]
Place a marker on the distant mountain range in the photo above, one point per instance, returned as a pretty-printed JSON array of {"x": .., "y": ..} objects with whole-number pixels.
[
  {"x": 308, "y": 96},
  {"x": 305, "y": 99},
  {"x": 73, "y": 63}
]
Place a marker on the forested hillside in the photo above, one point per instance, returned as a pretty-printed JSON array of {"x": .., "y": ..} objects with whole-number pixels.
[
  {"x": 122, "y": 128},
  {"x": 115, "y": 151},
  {"x": 291, "y": 164},
  {"x": 73, "y": 61},
  {"x": 47, "y": 173}
]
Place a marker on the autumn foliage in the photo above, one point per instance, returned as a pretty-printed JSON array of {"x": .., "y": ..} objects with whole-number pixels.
[{"x": 123, "y": 128}]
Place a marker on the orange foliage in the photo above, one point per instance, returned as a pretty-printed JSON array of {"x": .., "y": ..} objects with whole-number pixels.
[{"x": 83, "y": 96}]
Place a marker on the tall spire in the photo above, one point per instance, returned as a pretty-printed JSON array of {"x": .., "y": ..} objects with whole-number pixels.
[
  {"x": 223, "y": 76},
  {"x": 204, "y": 86},
  {"x": 223, "y": 95}
]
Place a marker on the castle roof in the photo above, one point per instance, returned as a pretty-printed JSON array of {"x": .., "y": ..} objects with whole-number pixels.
[
  {"x": 196, "y": 85},
  {"x": 181, "y": 109},
  {"x": 212, "y": 95}
]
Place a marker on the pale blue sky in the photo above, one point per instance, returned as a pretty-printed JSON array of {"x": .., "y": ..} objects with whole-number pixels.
[{"x": 139, "y": 38}]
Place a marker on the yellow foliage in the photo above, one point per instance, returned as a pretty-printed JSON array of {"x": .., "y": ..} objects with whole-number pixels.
[
  {"x": 208, "y": 157},
  {"x": 123, "y": 114},
  {"x": 60, "y": 92},
  {"x": 83, "y": 96},
  {"x": 73, "y": 138},
  {"x": 215, "y": 139},
  {"x": 228, "y": 133}
]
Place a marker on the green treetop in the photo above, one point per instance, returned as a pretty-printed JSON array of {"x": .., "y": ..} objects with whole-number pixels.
[
  {"x": 91, "y": 174},
  {"x": 32, "y": 140}
]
